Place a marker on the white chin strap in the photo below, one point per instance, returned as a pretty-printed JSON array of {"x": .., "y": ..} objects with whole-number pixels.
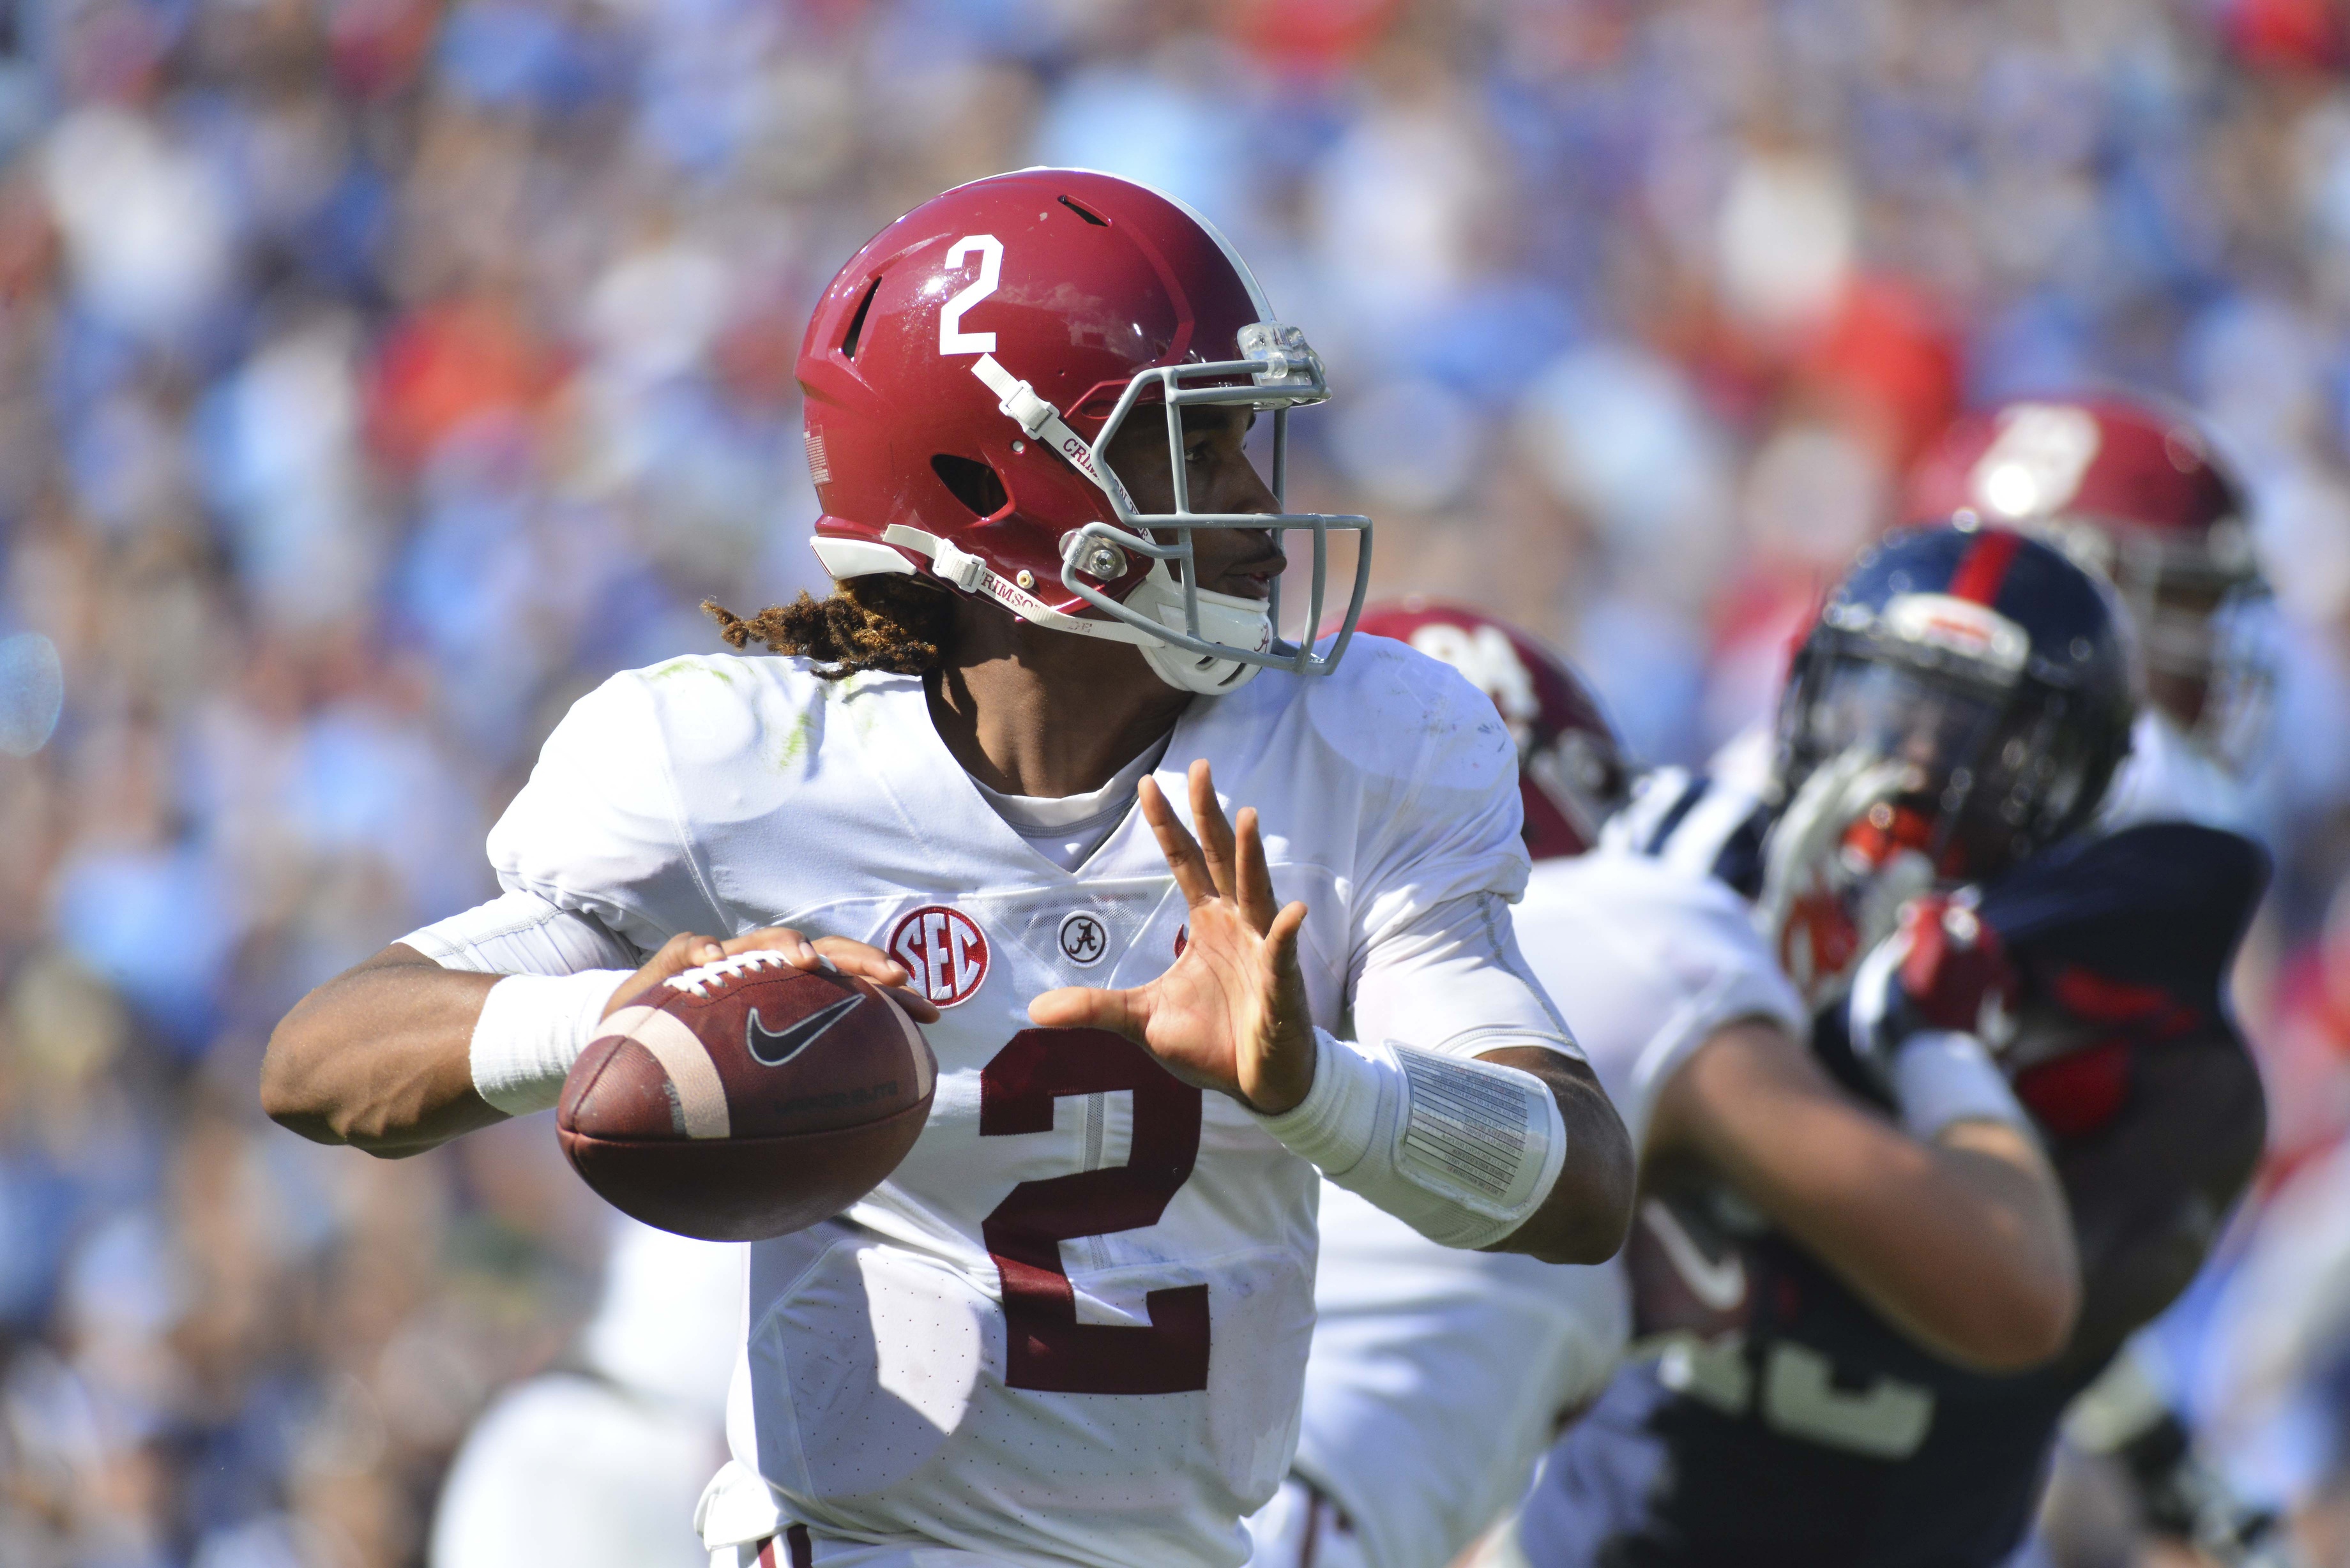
[{"x": 1223, "y": 618}]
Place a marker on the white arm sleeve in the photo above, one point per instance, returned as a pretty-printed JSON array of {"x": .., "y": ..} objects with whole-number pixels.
[
  {"x": 1463, "y": 1151},
  {"x": 522, "y": 933}
]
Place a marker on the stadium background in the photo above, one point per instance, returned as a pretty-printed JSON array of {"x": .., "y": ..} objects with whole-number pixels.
[{"x": 378, "y": 376}]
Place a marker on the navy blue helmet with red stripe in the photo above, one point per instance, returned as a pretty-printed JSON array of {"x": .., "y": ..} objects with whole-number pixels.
[{"x": 1989, "y": 665}]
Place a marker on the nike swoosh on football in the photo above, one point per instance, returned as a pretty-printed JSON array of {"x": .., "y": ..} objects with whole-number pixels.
[{"x": 773, "y": 1047}]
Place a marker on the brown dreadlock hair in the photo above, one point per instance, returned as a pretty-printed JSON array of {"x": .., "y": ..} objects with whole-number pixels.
[{"x": 885, "y": 622}]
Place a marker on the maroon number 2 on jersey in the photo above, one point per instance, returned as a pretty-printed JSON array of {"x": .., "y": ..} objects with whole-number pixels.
[{"x": 1047, "y": 1348}]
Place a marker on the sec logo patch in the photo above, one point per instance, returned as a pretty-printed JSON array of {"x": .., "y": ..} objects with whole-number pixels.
[{"x": 944, "y": 952}]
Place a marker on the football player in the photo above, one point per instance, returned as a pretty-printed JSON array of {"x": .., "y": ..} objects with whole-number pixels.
[
  {"x": 1953, "y": 718},
  {"x": 1437, "y": 1378},
  {"x": 597, "y": 1463},
  {"x": 2137, "y": 495},
  {"x": 996, "y": 769}
]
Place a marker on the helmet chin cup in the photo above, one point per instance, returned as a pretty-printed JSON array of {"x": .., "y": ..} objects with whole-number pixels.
[{"x": 1224, "y": 618}]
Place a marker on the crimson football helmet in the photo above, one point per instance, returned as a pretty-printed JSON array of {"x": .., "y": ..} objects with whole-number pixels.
[
  {"x": 2138, "y": 495},
  {"x": 1571, "y": 770},
  {"x": 965, "y": 374}
]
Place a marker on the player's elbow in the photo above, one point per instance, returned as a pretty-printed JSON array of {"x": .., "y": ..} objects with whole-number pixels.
[
  {"x": 297, "y": 1103},
  {"x": 306, "y": 1088},
  {"x": 299, "y": 1094},
  {"x": 1589, "y": 1211}
]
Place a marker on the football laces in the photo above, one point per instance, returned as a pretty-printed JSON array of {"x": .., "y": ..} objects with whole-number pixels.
[{"x": 701, "y": 981}]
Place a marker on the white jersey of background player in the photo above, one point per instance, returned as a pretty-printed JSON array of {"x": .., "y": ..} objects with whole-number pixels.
[
  {"x": 1072, "y": 1326},
  {"x": 599, "y": 1465},
  {"x": 1438, "y": 1376}
]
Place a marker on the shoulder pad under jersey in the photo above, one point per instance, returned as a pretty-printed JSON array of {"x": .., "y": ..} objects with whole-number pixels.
[{"x": 1697, "y": 824}]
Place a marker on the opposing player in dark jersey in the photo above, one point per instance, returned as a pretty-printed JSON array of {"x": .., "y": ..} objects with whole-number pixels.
[
  {"x": 2138, "y": 492},
  {"x": 1949, "y": 727}
]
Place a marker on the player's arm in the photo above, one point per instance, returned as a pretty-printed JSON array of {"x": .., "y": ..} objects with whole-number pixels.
[
  {"x": 1589, "y": 1209},
  {"x": 1959, "y": 1237},
  {"x": 2149, "y": 1191},
  {"x": 479, "y": 1020},
  {"x": 1468, "y": 1152},
  {"x": 378, "y": 1057}
]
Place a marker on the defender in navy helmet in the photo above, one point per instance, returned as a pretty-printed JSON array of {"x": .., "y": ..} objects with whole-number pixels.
[
  {"x": 1991, "y": 968},
  {"x": 1989, "y": 666}
]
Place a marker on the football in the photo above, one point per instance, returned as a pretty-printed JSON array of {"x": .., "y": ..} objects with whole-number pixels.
[{"x": 746, "y": 1098}]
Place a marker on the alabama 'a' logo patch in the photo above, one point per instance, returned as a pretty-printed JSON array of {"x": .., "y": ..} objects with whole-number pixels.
[
  {"x": 1084, "y": 939},
  {"x": 943, "y": 951}
]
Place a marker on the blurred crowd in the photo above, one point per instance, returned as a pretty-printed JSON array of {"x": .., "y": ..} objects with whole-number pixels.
[{"x": 376, "y": 376}]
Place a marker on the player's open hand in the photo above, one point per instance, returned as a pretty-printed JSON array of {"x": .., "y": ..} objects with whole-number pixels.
[
  {"x": 687, "y": 951},
  {"x": 1231, "y": 1015}
]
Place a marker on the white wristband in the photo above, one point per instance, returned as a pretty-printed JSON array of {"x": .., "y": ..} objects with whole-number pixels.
[
  {"x": 1939, "y": 1077},
  {"x": 531, "y": 1028},
  {"x": 1461, "y": 1151}
]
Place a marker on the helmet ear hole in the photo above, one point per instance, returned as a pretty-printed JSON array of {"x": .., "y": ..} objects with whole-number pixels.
[{"x": 973, "y": 484}]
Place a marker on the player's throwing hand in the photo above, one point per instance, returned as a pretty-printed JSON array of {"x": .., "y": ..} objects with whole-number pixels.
[
  {"x": 1231, "y": 1015},
  {"x": 687, "y": 951}
]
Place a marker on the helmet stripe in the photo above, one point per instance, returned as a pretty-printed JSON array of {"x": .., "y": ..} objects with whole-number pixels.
[{"x": 1982, "y": 570}]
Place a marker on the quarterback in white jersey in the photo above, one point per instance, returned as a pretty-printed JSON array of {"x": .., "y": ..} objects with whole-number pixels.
[{"x": 1071, "y": 1326}]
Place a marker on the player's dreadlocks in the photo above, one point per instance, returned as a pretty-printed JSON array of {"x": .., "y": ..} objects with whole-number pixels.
[{"x": 897, "y": 623}]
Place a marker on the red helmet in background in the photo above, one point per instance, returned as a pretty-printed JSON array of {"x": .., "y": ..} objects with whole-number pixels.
[
  {"x": 965, "y": 373},
  {"x": 2137, "y": 494},
  {"x": 1571, "y": 770}
]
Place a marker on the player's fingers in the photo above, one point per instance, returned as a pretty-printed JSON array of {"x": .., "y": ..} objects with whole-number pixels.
[
  {"x": 682, "y": 951},
  {"x": 850, "y": 956},
  {"x": 1215, "y": 833},
  {"x": 1084, "y": 1007},
  {"x": 1252, "y": 879},
  {"x": 862, "y": 959},
  {"x": 685, "y": 951},
  {"x": 921, "y": 1008},
  {"x": 798, "y": 949},
  {"x": 1182, "y": 851},
  {"x": 1281, "y": 934}
]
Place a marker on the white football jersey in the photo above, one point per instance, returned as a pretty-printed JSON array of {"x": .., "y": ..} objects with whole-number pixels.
[
  {"x": 1439, "y": 1378},
  {"x": 600, "y": 1467},
  {"x": 1647, "y": 961},
  {"x": 1072, "y": 1325},
  {"x": 2167, "y": 778}
]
